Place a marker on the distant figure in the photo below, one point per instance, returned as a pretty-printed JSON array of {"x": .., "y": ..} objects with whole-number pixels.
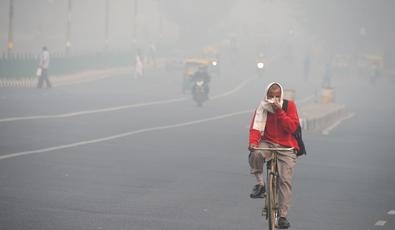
[
  {"x": 43, "y": 65},
  {"x": 139, "y": 67},
  {"x": 201, "y": 75},
  {"x": 326, "y": 81}
]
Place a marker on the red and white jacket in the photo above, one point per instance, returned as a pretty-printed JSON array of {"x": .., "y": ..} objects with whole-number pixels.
[{"x": 279, "y": 129}]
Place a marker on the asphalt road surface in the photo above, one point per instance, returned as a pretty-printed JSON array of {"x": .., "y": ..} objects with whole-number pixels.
[{"x": 121, "y": 153}]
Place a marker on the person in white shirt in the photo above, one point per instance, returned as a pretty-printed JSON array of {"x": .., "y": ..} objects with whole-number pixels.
[
  {"x": 139, "y": 65},
  {"x": 44, "y": 65}
]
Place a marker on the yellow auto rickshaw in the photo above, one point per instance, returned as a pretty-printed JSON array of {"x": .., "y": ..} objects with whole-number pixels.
[
  {"x": 191, "y": 66},
  {"x": 377, "y": 60}
]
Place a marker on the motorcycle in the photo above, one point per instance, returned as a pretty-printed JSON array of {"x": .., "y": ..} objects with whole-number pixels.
[{"x": 200, "y": 92}]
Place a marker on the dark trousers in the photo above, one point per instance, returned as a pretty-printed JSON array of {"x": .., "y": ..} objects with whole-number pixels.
[{"x": 42, "y": 78}]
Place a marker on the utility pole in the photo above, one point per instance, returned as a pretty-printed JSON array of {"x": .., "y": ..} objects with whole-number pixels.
[
  {"x": 10, "y": 43},
  {"x": 160, "y": 22},
  {"x": 68, "y": 28},
  {"x": 134, "y": 36},
  {"x": 106, "y": 26}
]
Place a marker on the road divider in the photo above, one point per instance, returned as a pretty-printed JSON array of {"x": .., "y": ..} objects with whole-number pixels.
[
  {"x": 316, "y": 116},
  {"x": 323, "y": 114}
]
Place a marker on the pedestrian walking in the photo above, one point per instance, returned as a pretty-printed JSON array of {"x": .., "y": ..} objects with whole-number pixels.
[
  {"x": 139, "y": 65},
  {"x": 43, "y": 66}
]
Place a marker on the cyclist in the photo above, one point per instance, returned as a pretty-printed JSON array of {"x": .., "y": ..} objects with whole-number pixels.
[{"x": 274, "y": 127}]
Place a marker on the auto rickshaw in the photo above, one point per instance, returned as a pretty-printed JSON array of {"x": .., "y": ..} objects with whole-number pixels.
[
  {"x": 190, "y": 68},
  {"x": 375, "y": 60},
  {"x": 370, "y": 63}
]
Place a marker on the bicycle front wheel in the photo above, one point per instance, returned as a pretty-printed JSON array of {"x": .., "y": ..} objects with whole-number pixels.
[{"x": 271, "y": 201}]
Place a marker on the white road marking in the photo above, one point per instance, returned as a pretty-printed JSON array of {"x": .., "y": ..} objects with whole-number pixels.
[
  {"x": 64, "y": 115},
  {"x": 11, "y": 155},
  {"x": 77, "y": 144},
  {"x": 392, "y": 212},
  {"x": 233, "y": 90},
  {"x": 380, "y": 223},
  {"x": 334, "y": 125},
  {"x": 110, "y": 109}
]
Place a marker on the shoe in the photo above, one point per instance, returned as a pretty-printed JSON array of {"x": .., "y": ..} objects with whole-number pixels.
[
  {"x": 283, "y": 223},
  {"x": 258, "y": 191}
]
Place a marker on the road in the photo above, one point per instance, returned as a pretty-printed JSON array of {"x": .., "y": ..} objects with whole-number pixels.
[{"x": 121, "y": 153}]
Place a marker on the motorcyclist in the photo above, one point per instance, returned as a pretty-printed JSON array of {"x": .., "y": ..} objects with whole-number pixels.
[{"x": 201, "y": 75}]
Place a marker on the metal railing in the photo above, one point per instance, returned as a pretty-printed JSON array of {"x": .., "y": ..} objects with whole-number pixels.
[{"x": 24, "y": 65}]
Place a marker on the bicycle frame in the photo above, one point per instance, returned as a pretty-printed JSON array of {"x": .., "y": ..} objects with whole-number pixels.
[{"x": 271, "y": 201}]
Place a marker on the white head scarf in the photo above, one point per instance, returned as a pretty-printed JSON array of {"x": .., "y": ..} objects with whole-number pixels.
[{"x": 264, "y": 107}]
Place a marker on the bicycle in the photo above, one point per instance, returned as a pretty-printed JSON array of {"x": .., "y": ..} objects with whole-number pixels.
[{"x": 271, "y": 209}]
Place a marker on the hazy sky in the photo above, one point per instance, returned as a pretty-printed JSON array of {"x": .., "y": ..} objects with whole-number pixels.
[{"x": 343, "y": 24}]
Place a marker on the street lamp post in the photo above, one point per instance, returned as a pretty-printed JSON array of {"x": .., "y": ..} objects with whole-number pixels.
[
  {"x": 68, "y": 28},
  {"x": 160, "y": 22},
  {"x": 134, "y": 36},
  {"x": 106, "y": 26},
  {"x": 10, "y": 43}
]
